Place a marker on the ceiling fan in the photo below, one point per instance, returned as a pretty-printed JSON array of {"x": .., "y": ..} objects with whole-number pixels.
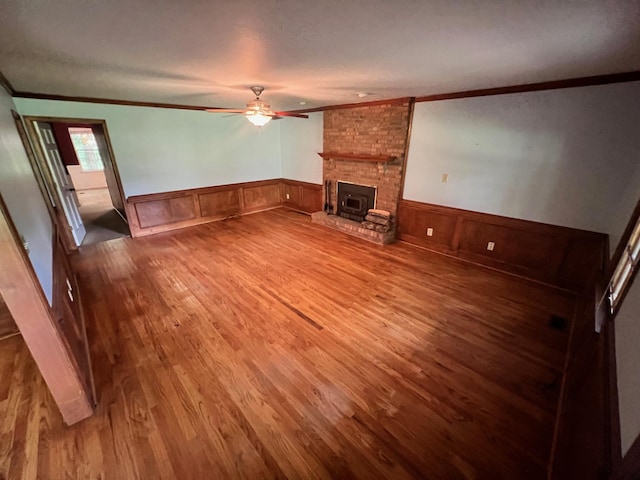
[{"x": 258, "y": 111}]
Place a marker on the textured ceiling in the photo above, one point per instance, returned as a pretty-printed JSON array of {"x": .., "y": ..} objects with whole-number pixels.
[{"x": 321, "y": 52}]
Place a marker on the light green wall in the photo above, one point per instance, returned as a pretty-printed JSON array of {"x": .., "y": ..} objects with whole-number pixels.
[
  {"x": 300, "y": 141},
  {"x": 159, "y": 150},
  {"x": 567, "y": 157}
]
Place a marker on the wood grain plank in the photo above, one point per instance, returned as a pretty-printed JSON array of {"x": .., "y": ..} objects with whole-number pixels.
[
  {"x": 220, "y": 204},
  {"x": 261, "y": 197},
  {"x": 425, "y": 366}
]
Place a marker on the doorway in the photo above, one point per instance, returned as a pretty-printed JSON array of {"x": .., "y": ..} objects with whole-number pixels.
[{"x": 78, "y": 162}]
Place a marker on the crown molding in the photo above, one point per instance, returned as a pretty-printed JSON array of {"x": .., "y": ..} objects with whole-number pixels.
[
  {"x": 6, "y": 84},
  {"x": 112, "y": 101},
  {"x": 536, "y": 87},
  {"x": 528, "y": 87}
]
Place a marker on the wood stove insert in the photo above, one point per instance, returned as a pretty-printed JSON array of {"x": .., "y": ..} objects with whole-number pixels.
[{"x": 355, "y": 200}]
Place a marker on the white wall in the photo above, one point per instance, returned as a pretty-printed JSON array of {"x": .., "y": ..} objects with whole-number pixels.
[
  {"x": 629, "y": 196},
  {"x": 565, "y": 157},
  {"x": 627, "y": 325},
  {"x": 22, "y": 196},
  {"x": 300, "y": 141},
  {"x": 159, "y": 150},
  {"x": 86, "y": 180}
]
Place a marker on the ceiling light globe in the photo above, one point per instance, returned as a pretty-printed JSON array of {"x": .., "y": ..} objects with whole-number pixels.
[{"x": 258, "y": 119}]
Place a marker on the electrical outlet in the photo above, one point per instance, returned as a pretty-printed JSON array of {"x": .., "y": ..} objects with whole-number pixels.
[
  {"x": 445, "y": 177},
  {"x": 287, "y": 196},
  {"x": 491, "y": 246},
  {"x": 429, "y": 232}
]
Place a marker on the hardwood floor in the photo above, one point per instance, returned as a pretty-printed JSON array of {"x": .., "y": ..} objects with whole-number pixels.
[
  {"x": 7, "y": 324},
  {"x": 270, "y": 347}
]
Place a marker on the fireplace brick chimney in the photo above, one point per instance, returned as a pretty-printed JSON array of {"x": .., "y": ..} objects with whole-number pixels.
[{"x": 374, "y": 130}]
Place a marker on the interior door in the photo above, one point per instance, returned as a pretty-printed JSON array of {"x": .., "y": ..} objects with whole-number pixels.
[
  {"x": 109, "y": 169},
  {"x": 67, "y": 310},
  {"x": 67, "y": 373},
  {"x": 61, "y": 180}
]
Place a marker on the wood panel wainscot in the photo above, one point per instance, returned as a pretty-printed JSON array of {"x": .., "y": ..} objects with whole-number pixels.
[
  {"x": 302, "y": 196},
  {"x": 160, "y": 212},
  {"x": 559, "y": 256},
  {"x": 582, "y": 447}
]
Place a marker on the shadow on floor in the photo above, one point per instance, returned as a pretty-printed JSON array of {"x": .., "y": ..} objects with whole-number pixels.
[{"x": 100, "y": 219}]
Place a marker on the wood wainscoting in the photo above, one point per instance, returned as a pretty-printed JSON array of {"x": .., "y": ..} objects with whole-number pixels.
[
  {"x": 160, "y": 212},
  {"x": 560, "y": 256},
  {"x": 302, "y": 196},
  {"x": 583, "y": 432}
]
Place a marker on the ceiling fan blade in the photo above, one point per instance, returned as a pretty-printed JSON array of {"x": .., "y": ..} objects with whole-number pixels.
[
  {"x": 292, "y": 114},
  {"x": 226, "y": 110}
]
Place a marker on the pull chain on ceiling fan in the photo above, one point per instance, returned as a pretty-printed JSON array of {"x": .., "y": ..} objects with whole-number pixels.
[{"x": 258, "y": 112}]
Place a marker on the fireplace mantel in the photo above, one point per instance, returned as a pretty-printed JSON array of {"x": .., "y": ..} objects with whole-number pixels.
[{"x": 358, "y": 158}]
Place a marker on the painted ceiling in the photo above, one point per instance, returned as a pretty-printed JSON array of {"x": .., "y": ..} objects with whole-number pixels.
[{"x": 305, "y": 53}]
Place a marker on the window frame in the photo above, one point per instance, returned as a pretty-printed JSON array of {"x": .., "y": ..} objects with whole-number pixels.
[
  {"x": 74, "y": 131},
  {"x": 626, "y": 257}
]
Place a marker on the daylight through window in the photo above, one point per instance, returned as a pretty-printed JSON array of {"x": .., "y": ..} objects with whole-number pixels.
[
  {"x": 625, "y": 268},
  {"x": 86, "y": 147}
]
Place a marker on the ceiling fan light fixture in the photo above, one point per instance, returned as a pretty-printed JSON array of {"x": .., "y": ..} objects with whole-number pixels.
[
  {"x": 258, "y": 111},
  {"x": 258, "y": 118}
]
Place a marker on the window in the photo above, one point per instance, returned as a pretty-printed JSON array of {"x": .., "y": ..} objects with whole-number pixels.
[
  {"x": 627, "y": 264},
  {"x": 86, "y": 147}
]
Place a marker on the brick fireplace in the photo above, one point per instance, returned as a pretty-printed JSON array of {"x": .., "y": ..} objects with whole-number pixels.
[{"x": 366, "y": 145}]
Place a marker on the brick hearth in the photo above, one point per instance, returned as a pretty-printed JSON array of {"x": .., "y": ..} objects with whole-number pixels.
[{"x": 352, "y": 228}]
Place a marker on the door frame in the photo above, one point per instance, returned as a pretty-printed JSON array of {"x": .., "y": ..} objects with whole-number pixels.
[
  {"x": 48, "y": 190},
  {"x": 44, "y": 170},
  {"x": 30, "y": 309}
]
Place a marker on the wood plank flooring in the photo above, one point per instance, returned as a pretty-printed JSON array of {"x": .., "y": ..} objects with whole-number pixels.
[
  {"x": 270, "y": 347},
  {"x": 7, "y": 324}
]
